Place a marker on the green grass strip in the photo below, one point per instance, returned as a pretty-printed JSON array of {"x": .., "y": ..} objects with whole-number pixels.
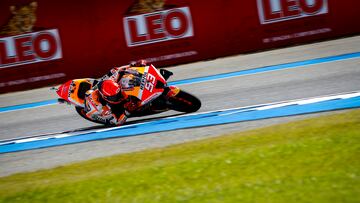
[{"x": 314, "y": 160}]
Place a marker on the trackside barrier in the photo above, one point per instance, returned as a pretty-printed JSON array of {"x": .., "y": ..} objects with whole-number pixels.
[{"x": 47, "y": 42}]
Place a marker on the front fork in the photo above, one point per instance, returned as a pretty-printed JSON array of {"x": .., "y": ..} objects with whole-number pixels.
[
  {"x": 161, "y": 103},
  {"x": 171, "y": 91}
]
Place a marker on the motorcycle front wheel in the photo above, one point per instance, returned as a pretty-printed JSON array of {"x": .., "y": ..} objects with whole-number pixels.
[{"x": 184, "y": 102}]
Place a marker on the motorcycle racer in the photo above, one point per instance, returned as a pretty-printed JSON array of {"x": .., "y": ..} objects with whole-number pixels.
[
  {"x": 102, "y": 102},
  {"x": 108, "y": 103},
  {"x": 126, "y": 91}
]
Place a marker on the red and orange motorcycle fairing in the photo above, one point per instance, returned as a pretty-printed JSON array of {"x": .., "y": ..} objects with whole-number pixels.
[
  {"x": 146, "y": 83},
  {"x": 73, "y": 91},
  {"x": 151, "y": 86}
]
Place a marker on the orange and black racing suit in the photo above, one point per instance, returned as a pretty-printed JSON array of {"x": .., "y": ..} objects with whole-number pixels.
[{"x": 97, "y": 108}]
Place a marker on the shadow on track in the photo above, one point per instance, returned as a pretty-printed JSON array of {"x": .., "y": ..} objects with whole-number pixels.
[
  {"x": 127, "y": 123},
  {"x": 91, "y": 128}
]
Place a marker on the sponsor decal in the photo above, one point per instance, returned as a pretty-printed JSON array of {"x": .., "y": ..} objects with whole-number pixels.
[
  {"x": 143, "y": 81},
  {"x": 147, "y": 6},
  {"x": 272, "y": 11},
  {"x": 297, "y": 35},
  {"x": 71, "y": 89},
  {"x": 33, "y": 79},
  {"x": 158, "y": 26},
  {"x": 22, "y": 42},
  {"x": 22, "y": 20},
  {"x": 152, "y": 97},
  {"x": 171, "y": 56},
  {"x": 30, "y": 48}
]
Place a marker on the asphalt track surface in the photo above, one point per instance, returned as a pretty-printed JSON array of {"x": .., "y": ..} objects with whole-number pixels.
[{"x": 275, "y": 86}]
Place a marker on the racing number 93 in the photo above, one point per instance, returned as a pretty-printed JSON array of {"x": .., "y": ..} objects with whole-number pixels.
[{"x": 150, "y": 82}]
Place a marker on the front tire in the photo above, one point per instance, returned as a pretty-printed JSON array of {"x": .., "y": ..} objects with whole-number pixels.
[{"x": 184, "y": 102}]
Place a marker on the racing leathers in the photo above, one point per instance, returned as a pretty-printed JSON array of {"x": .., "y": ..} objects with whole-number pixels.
[{"x": 97, "y": 108}]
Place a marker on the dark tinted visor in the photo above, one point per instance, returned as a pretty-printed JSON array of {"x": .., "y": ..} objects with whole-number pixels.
[{"x": 115, "y": 99}]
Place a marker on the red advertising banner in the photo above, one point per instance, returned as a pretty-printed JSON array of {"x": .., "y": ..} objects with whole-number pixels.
[
  {"x": 272, "y": 11},
  {"x": 47, "y": 42},
  {"x": 30, "y": 48},
  {"x": 159, "y": 26}
]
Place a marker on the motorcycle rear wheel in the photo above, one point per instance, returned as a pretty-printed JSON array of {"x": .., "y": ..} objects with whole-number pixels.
[{"x": 81, "y": 112}]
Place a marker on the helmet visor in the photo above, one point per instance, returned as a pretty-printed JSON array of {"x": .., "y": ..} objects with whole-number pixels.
[{"x": 115, "y": 99}]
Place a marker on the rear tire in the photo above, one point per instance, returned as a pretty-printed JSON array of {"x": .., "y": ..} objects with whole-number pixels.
[
  {"x": 81, "y": 112},
  {"x": 184, "y": 102}
]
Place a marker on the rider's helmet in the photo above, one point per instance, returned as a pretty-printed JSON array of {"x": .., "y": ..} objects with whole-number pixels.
[
  {"x": 111, "y": 91},
  {"x": 139, "y": 63}
]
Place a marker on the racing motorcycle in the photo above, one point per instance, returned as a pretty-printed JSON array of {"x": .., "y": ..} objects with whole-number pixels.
[{"x": 152, "y": 90}]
